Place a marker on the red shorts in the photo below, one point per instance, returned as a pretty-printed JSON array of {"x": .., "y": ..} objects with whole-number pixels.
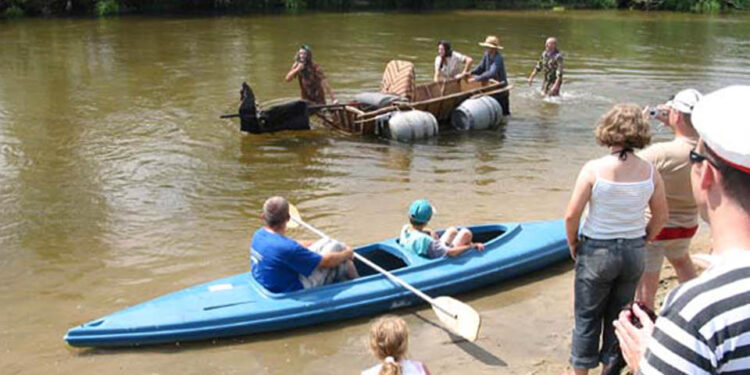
[{"x": 676, "y": 233}]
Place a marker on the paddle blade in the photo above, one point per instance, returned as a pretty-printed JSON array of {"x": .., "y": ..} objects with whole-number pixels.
[
  {"x": 465, "y": 321},
  {"x": 295, "y": 218}
]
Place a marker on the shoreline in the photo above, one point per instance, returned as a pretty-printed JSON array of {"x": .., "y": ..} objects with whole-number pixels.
[{"x": 115, "y": 8}]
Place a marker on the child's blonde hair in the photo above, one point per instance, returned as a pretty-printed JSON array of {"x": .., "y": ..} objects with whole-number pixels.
[{"x": 389, "y": 341}]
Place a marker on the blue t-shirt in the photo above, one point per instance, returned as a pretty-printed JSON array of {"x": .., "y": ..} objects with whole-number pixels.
[{"x": 277, "y": 261}]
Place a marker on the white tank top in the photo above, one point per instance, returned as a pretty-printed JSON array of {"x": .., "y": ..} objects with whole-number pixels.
[
  {"x": 616, "y": 209},
  {"x": 407, "y": 368}
]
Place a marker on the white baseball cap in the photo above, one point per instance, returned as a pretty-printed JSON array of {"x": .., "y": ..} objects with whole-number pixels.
[
  {"x": 721, "y": 118},
  {"x": 685, "y": 100}
]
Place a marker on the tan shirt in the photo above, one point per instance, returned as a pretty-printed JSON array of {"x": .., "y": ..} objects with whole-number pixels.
[{"x": 672, "y": 160}]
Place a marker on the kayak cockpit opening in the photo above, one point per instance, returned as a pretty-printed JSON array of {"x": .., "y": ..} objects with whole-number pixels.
[
  {"x": 381, "y": 255},
  {"x": 485, "y": 236}
]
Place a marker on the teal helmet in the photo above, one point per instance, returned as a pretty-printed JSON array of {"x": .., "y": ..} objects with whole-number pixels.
[{"x": 420, "y": 211}]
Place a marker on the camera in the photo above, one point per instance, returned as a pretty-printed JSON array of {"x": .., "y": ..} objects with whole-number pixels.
[
  {"x": 653, "y": 112},
  {"x": 615, "y": 366},
  {"x": 634, "y": 319}
]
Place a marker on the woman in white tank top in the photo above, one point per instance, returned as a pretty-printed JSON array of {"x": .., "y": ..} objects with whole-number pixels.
[{"x": 609, "y": 249}]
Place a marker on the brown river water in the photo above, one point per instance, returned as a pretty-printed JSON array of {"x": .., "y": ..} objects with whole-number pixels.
[{"x": 119, "y": 182}]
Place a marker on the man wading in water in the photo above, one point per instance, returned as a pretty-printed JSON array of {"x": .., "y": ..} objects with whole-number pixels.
[
  {"x": 551, "y": 64},
  {"x": 312, "y": 81}
]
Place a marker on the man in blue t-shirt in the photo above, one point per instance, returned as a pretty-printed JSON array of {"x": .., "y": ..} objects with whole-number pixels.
[{"x": 278, "y": 261}]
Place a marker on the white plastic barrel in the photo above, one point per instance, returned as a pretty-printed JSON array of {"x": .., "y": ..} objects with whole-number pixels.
[
  {"x": 412, "y": 125},
  {"x": 480, "y": 113}
]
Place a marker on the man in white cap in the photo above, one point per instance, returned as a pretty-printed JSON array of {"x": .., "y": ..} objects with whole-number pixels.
[
  {"x": 493, "y": 67},
  {"x": 704, "y": 324},
  {"x": 672, "y": 160}
]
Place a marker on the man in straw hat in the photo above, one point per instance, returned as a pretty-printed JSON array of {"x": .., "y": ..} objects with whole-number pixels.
[
  {"x": 492, "y": 67},
  {"x": 704, "y": 324}
]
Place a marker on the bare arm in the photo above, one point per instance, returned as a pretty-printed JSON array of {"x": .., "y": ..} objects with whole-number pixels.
[
  {"x": 533, "y": 74},
  {"x": 659, "y": 210},
  {"x": 431, "y": 233},
  {"x": 458, "y": 250},
  {"x": 328, "y": 89},
  {"x": 467, "y": 66},
  {"x": 536, "y": 70},
  {"x": 296, "y": 67},
  {"x": 333, "y": 259},
  {"x": 578, "y": 201}
]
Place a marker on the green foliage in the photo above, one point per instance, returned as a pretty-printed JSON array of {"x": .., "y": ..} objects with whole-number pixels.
[
  {"x": 295, "y": 5},
  {"x": 706, "y": 6},
  {"x": 13, "y": 12},
  {"x": 107, "y": 8},
  {"x": 699, "y": 6},
  {"x": 13, "y": 8},
  {"x": 606, "y": 4}
]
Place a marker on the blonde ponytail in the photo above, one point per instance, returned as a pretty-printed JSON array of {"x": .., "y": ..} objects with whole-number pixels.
[
  {"x": 390, "y": 367},
  {"x": 389, "y": 341}
]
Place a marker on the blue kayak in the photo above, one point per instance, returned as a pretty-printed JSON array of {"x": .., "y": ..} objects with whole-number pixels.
[{"x": 238, "y": 305}]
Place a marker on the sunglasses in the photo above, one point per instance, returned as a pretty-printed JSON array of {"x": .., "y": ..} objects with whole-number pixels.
[{"x": 698, "y": 158}]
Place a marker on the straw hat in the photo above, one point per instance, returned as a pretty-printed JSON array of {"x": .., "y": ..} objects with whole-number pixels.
[{"x": 491, "y": 42}]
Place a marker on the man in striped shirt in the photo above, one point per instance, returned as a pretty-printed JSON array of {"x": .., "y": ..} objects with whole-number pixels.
[{"x": 704, "y": 325}]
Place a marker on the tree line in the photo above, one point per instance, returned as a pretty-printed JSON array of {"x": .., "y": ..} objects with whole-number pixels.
[{"x": 19, "y": 8}]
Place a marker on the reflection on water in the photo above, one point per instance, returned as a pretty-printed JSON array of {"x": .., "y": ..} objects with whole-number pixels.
[{"x": 119, "y": 183}]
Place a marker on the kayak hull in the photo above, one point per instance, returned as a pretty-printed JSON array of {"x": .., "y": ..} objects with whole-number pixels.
[{"x": 237, "y": 305}]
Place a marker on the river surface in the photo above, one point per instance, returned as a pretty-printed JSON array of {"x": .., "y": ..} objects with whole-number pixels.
[{"x": 119, "y": 182}]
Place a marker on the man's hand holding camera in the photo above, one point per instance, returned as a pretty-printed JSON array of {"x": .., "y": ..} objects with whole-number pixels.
[{"x": 633, "y": 339}]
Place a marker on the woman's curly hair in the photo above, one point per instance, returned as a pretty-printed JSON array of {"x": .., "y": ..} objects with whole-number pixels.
[{"x": 624, "y": 125}]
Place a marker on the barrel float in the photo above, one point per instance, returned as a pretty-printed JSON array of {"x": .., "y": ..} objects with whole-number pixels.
[
  {"x": 480, "y": 113},
  {"x": 412, "y": 125}
]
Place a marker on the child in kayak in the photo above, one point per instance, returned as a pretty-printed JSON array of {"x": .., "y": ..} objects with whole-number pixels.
[
  {"x": 417, "y": 237},
  {"x": 389, "y": 341}
]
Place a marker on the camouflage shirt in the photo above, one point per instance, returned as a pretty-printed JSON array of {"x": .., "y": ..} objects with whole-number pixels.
[{"x": 551, "y": 66}]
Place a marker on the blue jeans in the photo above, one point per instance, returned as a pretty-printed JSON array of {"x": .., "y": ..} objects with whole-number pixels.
[{"x": 607, "y": 274}]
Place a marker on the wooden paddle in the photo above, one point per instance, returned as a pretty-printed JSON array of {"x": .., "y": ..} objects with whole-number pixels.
[{"x": 457, "y": 316}]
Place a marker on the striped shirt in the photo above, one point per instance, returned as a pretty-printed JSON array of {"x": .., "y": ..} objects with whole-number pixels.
[{"x": 704, "y": 325}]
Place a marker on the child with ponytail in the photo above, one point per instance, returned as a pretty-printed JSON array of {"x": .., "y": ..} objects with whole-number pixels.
[{"x": 389, "y": 341}]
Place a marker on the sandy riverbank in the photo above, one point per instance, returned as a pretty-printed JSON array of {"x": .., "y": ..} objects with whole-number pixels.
[{"x": 528, "y": 334}]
